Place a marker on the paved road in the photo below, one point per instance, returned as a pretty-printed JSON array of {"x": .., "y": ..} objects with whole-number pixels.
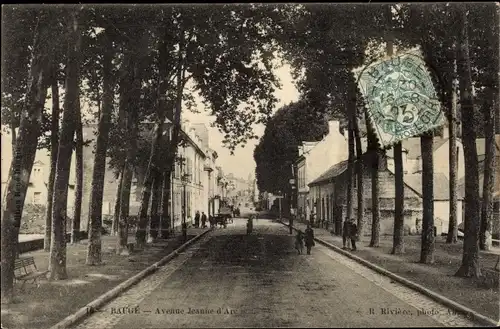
[{"x": 229, "y": 279}]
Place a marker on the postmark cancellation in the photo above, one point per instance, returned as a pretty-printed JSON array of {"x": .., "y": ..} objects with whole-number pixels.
[{"x": 401, "y": 101}]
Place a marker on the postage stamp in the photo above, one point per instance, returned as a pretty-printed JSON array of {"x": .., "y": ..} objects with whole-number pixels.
[{"x": 401, "y": 101}]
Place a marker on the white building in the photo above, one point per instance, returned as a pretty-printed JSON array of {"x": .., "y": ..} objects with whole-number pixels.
[{"x": 314, "y": 159}]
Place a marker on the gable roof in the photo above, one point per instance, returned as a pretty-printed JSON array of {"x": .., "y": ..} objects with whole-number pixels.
[
  {"x": 441, "y": 186},
  {"x": 332, "y": 172}
]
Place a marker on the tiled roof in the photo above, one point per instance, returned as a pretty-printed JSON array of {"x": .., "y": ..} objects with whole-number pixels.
[
  {"x": 412, "y": 145},
  {"x": 332, "y": 172},
  {"x": 441, "y": 186}
]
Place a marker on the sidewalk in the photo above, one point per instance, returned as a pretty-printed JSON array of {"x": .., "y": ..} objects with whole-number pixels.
[
  {"x": 50, "y": 302},
  {"x": 438, "y": 277}
]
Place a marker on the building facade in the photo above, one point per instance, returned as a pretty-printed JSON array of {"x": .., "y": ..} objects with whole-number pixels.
[{"x": 314, "y": 159}]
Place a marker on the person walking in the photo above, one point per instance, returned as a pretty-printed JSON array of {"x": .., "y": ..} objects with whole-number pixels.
[
  {"x": 309, "y": 238},
  {"x": 353, "y": 234},
  {"x": 345, "y": 234},
  {"x": 203, "y": 220},
  {"x": 299, "y": 242},
  {"x": 197, "y": 219}
]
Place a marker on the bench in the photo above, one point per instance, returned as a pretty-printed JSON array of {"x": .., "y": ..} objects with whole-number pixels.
[{"x": 25, "y": 270}]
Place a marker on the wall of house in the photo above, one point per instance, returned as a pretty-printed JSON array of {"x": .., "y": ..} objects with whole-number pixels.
[
  {"x": 322, "y": 197},
  {"x": 331, "y": 150},
  {"x": 194, "y": 194},
  {"x": 442, "y": 162},
  {"x": 387, "y": 195},
  {"x": 442, "y": 212}
]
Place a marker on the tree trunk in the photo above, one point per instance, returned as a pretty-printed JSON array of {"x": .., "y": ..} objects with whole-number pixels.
[
  {"x": 375, "y": 234},
  {"x": 148, "y": 184},
  {"x": 54, "y": 146},
  {"x": 172, "y": 148},
  {"x": 127, "y": 121},
  {"x": 398, "y": 246},
  {"x": 165, "y": 209},
  {"x": 485, "y": 240},
  {"x": 453, "y": 159},
  {"x": 470, "y": 259},
  {"x": 97, "y": 189},
  {"x": 121, "y": 246},
  {"x": 116, "y": 216},
  {"x": 350, "y": 176},
  {"x": 57, "y": 266},
  {"x": 155, "y": 204},
  {"x": 490, "y": 110},
  {"x": 75, "y": 232},
  {"x": 359, "y": 168},
  {"x": 22, "y": 164},
  {"x": 427, "y": 245}
]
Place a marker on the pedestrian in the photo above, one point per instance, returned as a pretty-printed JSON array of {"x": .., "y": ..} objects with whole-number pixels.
[
  {"x": 345, "y": 234},
  {"x": 211, "y": 220},
  {"x": 203, "y": 220},
  {"x": 299, "y": 242},
  {"x": 197, "y": 219},
  {"x": 309, "y": 238},
  {"x": 353, "y": 234}
]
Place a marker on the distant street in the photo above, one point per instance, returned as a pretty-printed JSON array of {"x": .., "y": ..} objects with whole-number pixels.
[{"x": 258, "y": 281}]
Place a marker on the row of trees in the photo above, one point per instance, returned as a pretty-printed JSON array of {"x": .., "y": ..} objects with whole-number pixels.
[
  {"x": 130, "y": 72},
  {"x": 460, "y": 46}
]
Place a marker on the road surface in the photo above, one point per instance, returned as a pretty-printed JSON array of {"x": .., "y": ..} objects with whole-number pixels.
[{"x": 230, "y": 279}]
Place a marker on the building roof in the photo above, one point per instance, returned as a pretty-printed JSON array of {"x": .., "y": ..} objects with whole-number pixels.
[
  {"x": 332, "y": 172},
  {"x": 441, "y": 186},
  {"x": 461, "y": 181},
  {"x": 412, "y": 146}
]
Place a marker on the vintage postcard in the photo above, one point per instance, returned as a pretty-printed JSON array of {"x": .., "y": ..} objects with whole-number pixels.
[{"x": 278, "y": 165}]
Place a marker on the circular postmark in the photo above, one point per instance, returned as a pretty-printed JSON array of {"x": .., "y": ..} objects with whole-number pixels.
[{"x": 401, "y": 98}]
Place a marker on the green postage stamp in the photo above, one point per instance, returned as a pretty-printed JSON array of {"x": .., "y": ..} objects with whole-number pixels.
[{"x": 400, "y": 96}]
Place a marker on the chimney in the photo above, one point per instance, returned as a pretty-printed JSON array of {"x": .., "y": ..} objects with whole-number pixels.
[
  {"x": 445, "y": 132},
  {"x": 301, "y": 150},
  {"x": 334, "y": 126}
]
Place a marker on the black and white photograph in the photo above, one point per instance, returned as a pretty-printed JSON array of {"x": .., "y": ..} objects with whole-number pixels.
[{"x": 250, "y": 165}]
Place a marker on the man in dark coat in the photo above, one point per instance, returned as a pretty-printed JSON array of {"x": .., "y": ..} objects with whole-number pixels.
[
  {"x": 197, "y": 219},
  {"x": 309, "y": 239},
  {"x": 346, "y": 233},
  {"x": 203, "y": 220},
  {"x": 353, "y": 234}
]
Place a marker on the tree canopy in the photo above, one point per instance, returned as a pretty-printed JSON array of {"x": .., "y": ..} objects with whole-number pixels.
[{"x": 277, "y": 149}]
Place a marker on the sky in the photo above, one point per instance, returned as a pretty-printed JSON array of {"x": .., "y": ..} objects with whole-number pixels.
[{"x": 242, "y": 164}]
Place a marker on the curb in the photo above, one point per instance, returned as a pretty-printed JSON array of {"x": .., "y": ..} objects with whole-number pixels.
[
  {"x": 465, "y": 311},
  {"x": 91, "y": 307}
]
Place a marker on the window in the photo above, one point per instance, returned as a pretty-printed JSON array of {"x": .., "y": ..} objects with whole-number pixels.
[
  {"x": 177, "y": 170},
  {"x": 36, "y": 172},
  {"x": 189, "y": 170},
  {"x": 37, "y": 197}
]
